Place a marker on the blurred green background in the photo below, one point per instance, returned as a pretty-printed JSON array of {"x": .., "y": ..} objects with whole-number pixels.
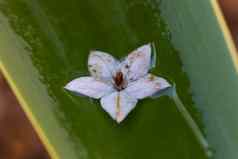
[{"x": 17, "y": 138}]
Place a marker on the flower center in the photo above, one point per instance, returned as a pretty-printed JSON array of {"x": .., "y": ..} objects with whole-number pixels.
[{"x": 119, "y": 81}]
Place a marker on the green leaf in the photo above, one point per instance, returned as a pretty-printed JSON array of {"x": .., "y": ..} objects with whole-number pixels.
[{"x": 45, "y": 44}]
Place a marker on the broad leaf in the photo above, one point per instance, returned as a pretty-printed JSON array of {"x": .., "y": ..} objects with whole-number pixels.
[{"x": 46, "y": 43}]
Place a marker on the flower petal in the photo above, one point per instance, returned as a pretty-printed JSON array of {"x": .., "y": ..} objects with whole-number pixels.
[
  {"x": 146, "y": 86},
  {"x": 118, "y": 105},
  {"x": 137, "y": 63},
  {"x": 102, "y": 65},
  {"x": 89, "y": 86}
]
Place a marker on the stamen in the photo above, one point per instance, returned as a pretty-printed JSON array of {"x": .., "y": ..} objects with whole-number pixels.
[{"x": 119, "y": 81}]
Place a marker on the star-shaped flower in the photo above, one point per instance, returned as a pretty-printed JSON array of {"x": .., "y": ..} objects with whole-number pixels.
[{"x": 119, "y": 84}]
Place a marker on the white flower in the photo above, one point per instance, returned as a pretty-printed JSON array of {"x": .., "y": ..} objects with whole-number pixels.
[{"x": 119, "y": 84}]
